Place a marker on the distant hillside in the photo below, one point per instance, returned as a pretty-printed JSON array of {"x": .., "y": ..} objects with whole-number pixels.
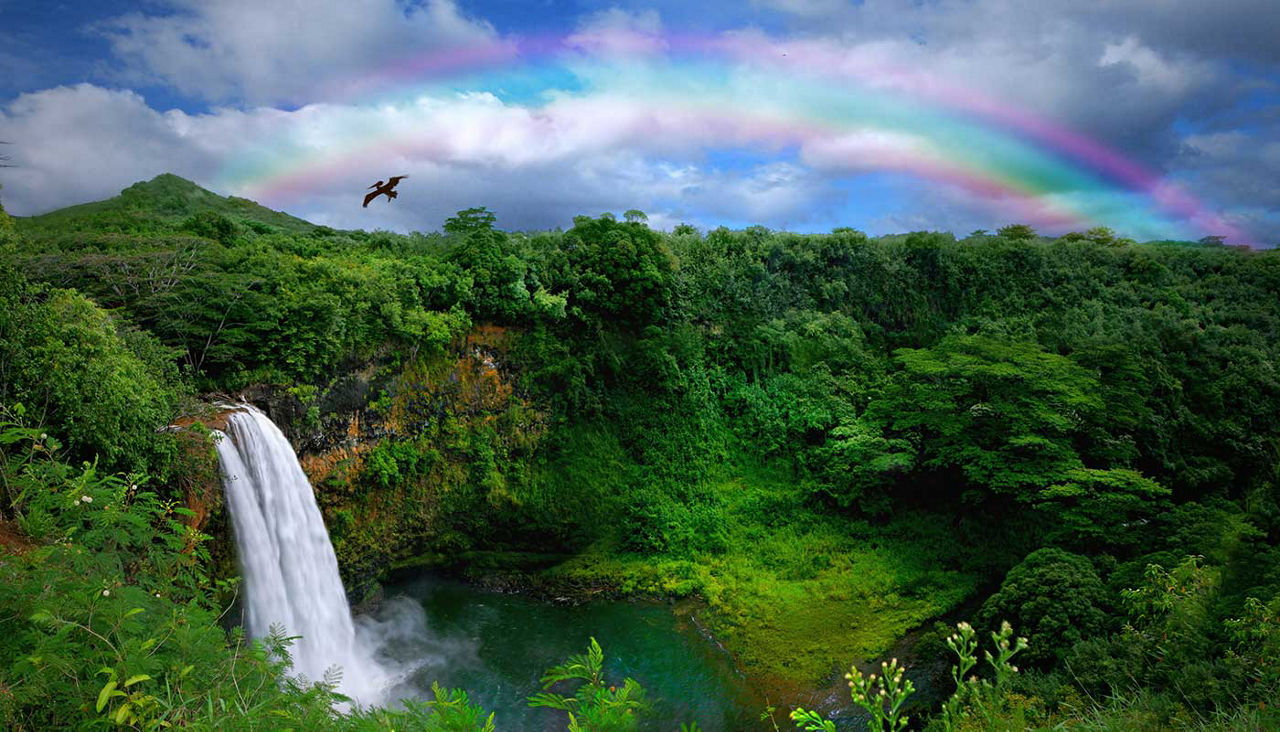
[{"x": 165, "y": 200}]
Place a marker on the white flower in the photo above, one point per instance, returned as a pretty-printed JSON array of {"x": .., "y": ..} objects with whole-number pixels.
[
  {"x": 44, "y": 436},
  {"x": 106, "y": 593},
  {"x": 87, "y": 499}
]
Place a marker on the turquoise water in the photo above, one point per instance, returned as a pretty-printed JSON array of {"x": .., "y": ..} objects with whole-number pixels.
[{"x": 496, "y": 646}]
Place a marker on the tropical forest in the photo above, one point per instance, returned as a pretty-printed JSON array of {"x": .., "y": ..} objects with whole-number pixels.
[{"x": 638, "y": 479}]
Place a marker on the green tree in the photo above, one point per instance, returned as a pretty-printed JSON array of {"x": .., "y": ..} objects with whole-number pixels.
[
  {"x": 619, "y": 273},
  {"x": 498, "y": 276},
  {"x": 6, "y": 222},
  {"x": 470, "y": 220},
  {"x": 212, "y": 225},
  {"x": 1003, "y": 414},
  {"x": 1096, "y": 509},
  {"x": 75, "y": 366},
  {"x": 1016, "y": 231},
  {"x": 1100, "y": 235},
  {"x": 1055, "y": 597}
]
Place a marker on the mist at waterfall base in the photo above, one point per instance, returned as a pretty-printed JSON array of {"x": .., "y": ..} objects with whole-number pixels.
[
  {"x": 291, "y": 575},
  {"x": 431, "y": 629}
]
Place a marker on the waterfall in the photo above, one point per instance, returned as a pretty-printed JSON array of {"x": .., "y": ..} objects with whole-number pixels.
[{"x": 290, "y": 571}]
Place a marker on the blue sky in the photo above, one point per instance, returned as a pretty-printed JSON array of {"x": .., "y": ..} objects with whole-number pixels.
[{"x": 97, "y": 95}]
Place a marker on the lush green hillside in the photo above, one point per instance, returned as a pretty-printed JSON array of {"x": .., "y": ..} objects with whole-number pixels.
[
  {"x": 163, "y": 201},
  {"x": 831, "y": 440}
]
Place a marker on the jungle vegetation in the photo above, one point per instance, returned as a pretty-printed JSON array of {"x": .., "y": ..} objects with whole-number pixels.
[{"x": 831, "y": 439}]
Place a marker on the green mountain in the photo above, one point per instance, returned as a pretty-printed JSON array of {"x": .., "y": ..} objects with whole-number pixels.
[{"x": 168, "y": 201}]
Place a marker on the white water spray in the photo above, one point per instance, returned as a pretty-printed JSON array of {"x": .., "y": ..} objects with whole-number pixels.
[{"x": 290, "y": 571}]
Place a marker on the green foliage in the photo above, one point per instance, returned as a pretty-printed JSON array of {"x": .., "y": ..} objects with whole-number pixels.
[
  {"x": 1170, "y": 611},
  {"x": 75, "y": 366},
  {"x": 498, "y": 288},
  {"x": 1102, "y": 507},
  {"x": 1002, "y": 414},
  {"x": 882, "y": 696},
  {"x": 212, "y": 225},
  {"x": 470, "y": 221},
  {"x": 449, "y": 710},
  {"x": 6, "y": 225},
  {"x": 980, "y": 703},
  {"x": 830, "y": 438},
  {"x": 1016, "y": 231},
  {"x": 974, "y": 704},
  {"x": 1056, "y": 597},
  {"x": 618, "y": 272},
  {"x": 592, "y": 707}
]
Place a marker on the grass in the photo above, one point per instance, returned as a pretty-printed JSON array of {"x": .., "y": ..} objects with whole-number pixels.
[{"x": 796, "y": 595}]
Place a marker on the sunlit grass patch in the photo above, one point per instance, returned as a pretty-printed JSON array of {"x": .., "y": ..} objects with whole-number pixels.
[{"x": 796, "y": 595}]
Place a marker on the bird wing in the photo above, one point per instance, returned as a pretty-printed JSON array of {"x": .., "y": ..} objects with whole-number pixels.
[
  {"x": 369, "y": 197},
  {"x": 393, "y": 180}
]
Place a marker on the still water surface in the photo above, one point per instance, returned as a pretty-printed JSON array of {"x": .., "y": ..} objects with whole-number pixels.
[{"x": 497, "y": 645}]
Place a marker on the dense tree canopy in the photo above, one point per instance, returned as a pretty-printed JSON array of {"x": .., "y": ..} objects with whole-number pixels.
[{"x": 765, "y": 418}]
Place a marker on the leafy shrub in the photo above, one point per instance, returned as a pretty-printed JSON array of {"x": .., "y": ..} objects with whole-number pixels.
[
  {"x": 1056, "y": 597},
  {"x": 592, "y": 707},
  {"x": 104, "y": 389}
]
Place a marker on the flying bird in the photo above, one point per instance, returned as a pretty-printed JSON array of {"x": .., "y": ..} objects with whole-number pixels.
[{"x": 381, "y": 188}]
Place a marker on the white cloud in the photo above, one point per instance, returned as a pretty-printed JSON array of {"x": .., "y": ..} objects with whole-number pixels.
[
  {"x": 81, "y": 143},
  {"x": 1107, "y": 68},
  {"x": 260, "y": 52},
  {"x": 537, "y": 169},
  {"x": 618, "y": 32},
  {"x": 868, "y": 150},
  {"x": 1124, "y": 81}
]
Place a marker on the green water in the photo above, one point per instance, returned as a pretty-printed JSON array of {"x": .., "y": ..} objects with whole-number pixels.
[{"x": 496, "y": 646}]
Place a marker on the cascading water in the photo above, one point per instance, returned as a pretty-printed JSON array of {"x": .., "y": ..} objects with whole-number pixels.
[{"x": 290, "y": 571}]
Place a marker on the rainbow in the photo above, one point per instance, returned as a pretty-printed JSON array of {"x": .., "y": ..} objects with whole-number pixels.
[{"x": 844, "y": 114}]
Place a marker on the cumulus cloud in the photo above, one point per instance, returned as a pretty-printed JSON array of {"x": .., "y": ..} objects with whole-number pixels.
[
  {"x": 1134, "y": 79},
  {"x": 259, "y": 52},
  {"x": 1109, "y": 69},
  {"x": 536, "y": 168},
  {"x": 1240, "y": 167},
  {"x": 1133, "y": 74},
  {"x": 82, "y": 143},
  {"x": 867, "y": 150}
]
